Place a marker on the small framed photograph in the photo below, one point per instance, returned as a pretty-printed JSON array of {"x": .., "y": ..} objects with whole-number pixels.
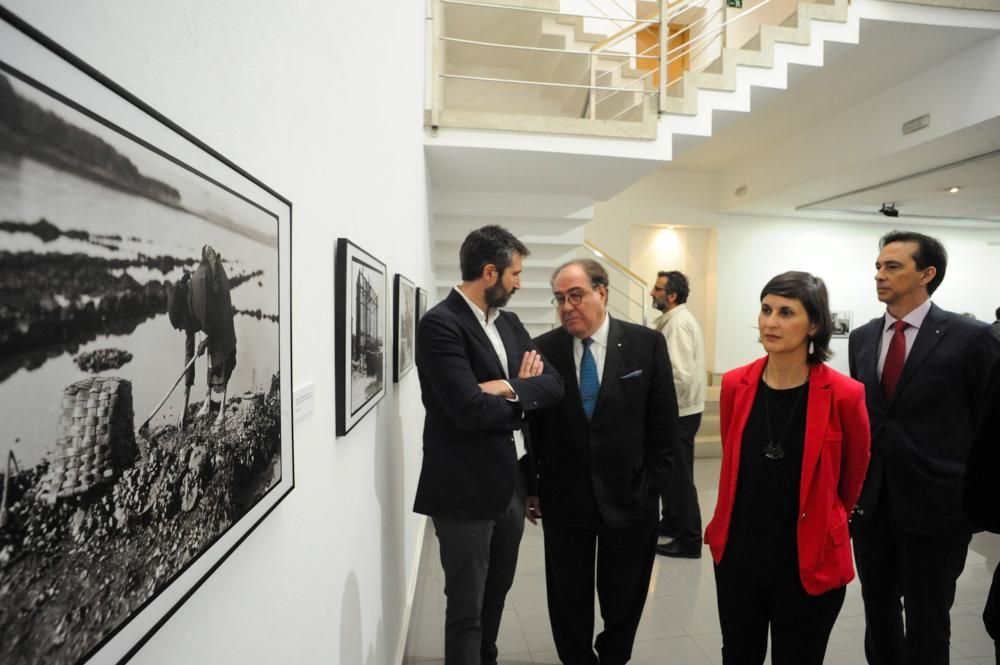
[
  {"x": 404, "y": 324},
  {"x": 421, "y": 304},
  {"x": 842, "y": 323},
  {"x": 359, "y": 332}
]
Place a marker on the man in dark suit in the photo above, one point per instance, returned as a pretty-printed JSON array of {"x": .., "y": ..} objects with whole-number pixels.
[
  {"x": 925, "y": 373},
  {"x": 602, "y": 455},
  {"x": 479, "y": 374}
]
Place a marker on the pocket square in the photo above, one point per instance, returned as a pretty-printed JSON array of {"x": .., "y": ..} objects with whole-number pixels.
[{"x": 632, "y": 375}]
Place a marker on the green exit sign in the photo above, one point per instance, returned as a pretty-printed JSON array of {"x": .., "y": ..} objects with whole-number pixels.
[{"x": 738, "y": 4}]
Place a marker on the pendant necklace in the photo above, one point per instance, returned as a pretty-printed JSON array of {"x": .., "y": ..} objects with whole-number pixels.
[{"x": 774, "y": 450}]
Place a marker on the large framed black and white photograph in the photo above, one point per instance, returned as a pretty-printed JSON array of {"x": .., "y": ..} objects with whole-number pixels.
[
  {"x": 145, "y": 359},
  {"x": 404, "y": 321},
  {"x": 360, "y": 310}
]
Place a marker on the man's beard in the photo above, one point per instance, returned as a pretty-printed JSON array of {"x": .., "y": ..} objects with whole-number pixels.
[
  {"x": 497, "y": 296},
  {"x": 660, "y": 304}
]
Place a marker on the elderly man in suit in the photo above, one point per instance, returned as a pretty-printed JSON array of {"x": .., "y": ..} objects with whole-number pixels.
[
  {"x": 602, "y": 455},
  {"x": 925, "y": 373},
  {"x": 479, "y": 374}
]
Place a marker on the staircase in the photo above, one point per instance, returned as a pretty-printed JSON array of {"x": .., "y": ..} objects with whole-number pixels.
[{"x": 529, "y": 126}]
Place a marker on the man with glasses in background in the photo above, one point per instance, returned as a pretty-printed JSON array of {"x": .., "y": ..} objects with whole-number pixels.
[
  {"x": 602, "y": 455},
  {"x": 681, "y": 517}
]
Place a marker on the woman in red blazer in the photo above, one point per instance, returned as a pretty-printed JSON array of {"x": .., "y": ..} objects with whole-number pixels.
[{"x": 795, "y": 448}]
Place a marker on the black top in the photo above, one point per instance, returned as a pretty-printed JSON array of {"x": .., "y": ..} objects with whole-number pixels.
[{"x": 766, "y": 510}]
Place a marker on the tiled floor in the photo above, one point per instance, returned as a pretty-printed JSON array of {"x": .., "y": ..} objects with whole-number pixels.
[{"x": 680, "y": 624}]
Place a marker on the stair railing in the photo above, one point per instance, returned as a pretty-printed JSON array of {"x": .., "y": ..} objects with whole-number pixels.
[
  {"x": 626, "y": 290},
  {"x": 668, "y": 11}
]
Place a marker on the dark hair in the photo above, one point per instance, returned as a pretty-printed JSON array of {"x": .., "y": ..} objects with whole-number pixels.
[
  {"x": 676, "y": 283},
  {"x": 594, "y": 271},
  {"x": 811, "y": 292},
  {"x": 930, "y": 252},
  {"x": 488, "y": 245},
  {"x": 997, "y": 313}
]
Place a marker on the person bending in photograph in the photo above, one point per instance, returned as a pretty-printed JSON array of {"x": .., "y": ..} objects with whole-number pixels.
[
  {"x": 479, "y": 374},
  {"x": 795, "y": 447}
]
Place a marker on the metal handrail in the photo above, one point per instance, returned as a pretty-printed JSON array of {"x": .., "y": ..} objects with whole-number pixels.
[
  {"x": 541, "y": 83},
  {"x": 533, "y": 10},
  {"x": 693, "y": 47},
  {"x": 621, "y": 267},
  {"x": 610, "y": 54}
]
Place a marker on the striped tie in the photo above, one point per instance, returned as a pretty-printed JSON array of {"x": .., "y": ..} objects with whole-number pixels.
[{"x": 589, "y": 385}]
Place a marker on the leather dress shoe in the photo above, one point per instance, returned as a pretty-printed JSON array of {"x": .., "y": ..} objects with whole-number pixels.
[{"x": 679, "y": 550}]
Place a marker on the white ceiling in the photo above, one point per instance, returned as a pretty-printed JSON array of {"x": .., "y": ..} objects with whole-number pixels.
[{"x": 888, "y": 53}]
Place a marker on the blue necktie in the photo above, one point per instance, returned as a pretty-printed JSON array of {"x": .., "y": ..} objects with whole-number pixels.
[{"x": 589, "y": 385}]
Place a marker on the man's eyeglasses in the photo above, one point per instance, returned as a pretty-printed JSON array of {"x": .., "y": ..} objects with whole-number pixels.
[{"x": 573, "y": 298}]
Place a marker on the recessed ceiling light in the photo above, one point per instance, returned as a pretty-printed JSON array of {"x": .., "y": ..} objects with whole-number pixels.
[{"x": 954, "y": 190}]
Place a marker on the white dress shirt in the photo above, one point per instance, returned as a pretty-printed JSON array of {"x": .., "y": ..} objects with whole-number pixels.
[
  {"x": 488, "y": 321},
  {"x": 686, "y": 348},
  {"x": 915, "y": 319},
  {"x": 599, "y": 349}
]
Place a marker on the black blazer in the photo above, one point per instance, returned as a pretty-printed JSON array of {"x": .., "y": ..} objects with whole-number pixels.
[
  {"x": 921, "y": 438},
  {"x": 470, "y": 461},
  {"x": 619, "y": 460},
  {"x": 982, "y": 473}
]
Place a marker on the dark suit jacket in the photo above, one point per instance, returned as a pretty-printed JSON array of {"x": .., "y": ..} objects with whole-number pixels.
[
  {"x": 982, "y": 473},
  {"x": 470, "y": 461},
  {"x": 921, "y": 438},
  {"x": 620, "y": 458}
]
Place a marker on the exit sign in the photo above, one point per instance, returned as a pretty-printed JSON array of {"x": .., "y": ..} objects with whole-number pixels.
[{"x": 738, "y": 4}]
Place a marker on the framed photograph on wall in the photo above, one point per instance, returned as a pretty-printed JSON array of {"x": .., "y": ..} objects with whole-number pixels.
[
  {"x": 842, "y": 323},
  {"x": 421, "y": 303},
  {"x": 359, "y": 330},
  {"x": 404, "y": 324},
  {"x": 145, "y": 375}
]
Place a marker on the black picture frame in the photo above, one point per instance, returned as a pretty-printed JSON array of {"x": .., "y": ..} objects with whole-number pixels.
[
  {"x": 360, "y": 308},
  {"x": 140, "y": 551},
  {"x": 404, "y": 325}
]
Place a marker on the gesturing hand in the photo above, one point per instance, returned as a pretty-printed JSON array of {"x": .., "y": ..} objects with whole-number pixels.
[{"x": 531, "y": 365}]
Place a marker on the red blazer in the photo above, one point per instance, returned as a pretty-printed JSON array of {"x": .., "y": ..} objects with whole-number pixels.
[{"x": 834, "y": 463}]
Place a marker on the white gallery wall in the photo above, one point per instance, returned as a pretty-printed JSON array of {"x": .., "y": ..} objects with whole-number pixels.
[
  {"x": 323, "y": 103},
  {"x": 751, "y": 250}
]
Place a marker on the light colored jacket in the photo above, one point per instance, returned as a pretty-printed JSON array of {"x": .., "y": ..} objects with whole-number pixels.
[{"x": 686, "y": 347}]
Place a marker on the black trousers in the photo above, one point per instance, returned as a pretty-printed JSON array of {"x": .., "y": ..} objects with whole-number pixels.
[
  {"x": 624, "y": 562},
  {"x": 920, "y": 569},
  {"x": 681, "y": 514},
  {"x": 479, "y": 558},
  {"x": 751, "y": 600}
]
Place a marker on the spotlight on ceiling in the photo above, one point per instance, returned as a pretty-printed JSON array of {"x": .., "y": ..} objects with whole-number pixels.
[
  {"x": 954, "y": 190},
  {"x": 889, "y": 210}
]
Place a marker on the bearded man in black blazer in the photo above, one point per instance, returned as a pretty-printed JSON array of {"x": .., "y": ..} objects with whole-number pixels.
[
  {"x": 603, "y": 455},
  {"x": 479, "y": 374},
  {"x": 925, "y": 372}
]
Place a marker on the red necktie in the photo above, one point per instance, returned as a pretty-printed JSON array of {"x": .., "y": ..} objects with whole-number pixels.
[{"x": 894, "y": 359}]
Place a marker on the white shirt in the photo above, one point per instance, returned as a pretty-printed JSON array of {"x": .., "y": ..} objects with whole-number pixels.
[
  {"x": 488, "y": 321},
  {"x": 686, "y": 348},
  {"x": 915, "y": 319},
  {"x": 599, "y": 349}
]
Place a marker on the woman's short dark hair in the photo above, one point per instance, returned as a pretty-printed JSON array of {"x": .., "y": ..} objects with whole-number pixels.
[
  {"x": 811, "y": 292},
  {"x": 930, "y": 252},
  {"x": 489, "y": 245}
]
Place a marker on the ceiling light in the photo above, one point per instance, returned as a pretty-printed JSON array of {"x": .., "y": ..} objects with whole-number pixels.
[{"x": 954, "y": 190}]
